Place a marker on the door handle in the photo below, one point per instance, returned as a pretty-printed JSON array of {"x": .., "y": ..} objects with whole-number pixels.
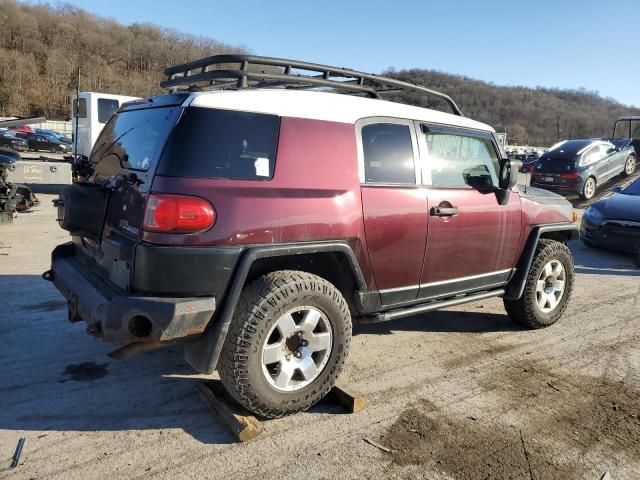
[{"x": 444, "y": 211}]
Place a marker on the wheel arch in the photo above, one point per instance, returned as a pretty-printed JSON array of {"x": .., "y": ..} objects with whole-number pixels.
[
  {"x": 559, "y": 232},
  {"x": 333, "y": 261}
]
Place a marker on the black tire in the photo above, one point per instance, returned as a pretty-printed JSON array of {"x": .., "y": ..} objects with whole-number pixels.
[
  {"x": 525, "y": 310},
  {"x": 629, "y": 166},
  {"x": 587, "y": 192},
  {"x": 259, "y": 307}
]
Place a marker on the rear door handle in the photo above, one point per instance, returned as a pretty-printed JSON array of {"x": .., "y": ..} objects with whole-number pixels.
[{"x": 444, "y": 211}]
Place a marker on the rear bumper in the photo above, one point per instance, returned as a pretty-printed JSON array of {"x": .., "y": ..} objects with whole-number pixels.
[
  {"x": 116, "y": 316},
  {"x": 559, "y": 188}
]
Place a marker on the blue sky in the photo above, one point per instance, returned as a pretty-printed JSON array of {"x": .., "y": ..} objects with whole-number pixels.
[{"x": 566, "y": 44}]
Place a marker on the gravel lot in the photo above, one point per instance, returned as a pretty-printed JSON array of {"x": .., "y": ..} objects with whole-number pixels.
[{"x": 462, "y": 393}]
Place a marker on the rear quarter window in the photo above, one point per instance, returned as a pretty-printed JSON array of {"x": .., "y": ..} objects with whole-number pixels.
[{"x": 222, "y": 144}]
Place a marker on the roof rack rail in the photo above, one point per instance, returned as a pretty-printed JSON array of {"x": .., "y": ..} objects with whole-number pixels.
[{"x": 209, "y": 74}]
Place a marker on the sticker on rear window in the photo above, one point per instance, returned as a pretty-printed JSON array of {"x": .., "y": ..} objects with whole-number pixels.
[{"x": 262, "y": 167}]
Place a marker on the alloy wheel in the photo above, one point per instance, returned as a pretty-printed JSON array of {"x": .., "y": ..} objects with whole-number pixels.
[
  {"x": 297, "y": 349},
  {"x": 589, "y": 188},
  {"x": 551, "y": 285},
  {"x": 630, "y": 166}
]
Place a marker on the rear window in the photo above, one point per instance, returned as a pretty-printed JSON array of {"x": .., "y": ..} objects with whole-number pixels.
[
  {"x": 556, "y": 165},
  {"x": 135, "y": 137},
  {"x": 222, "y": 144}
]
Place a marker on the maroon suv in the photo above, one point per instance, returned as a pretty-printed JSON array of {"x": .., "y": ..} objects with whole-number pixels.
[{"x": 254, "y": 218}]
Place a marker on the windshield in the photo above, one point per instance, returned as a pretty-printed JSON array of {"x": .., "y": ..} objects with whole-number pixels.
[
  {"x": 135, "y": 137},
  {"x": 633, "y": 189},
  {"x": 627, "y": 129}
]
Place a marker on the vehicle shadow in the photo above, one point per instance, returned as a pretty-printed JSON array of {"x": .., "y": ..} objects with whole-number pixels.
[
  {"x": 443, "y": 321},
  {"x": 596, "y": 261},
  {"x": 57, "y": 378}
]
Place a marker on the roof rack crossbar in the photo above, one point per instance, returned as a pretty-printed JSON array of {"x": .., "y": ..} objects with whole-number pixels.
[{"x": 184, "y": 76}]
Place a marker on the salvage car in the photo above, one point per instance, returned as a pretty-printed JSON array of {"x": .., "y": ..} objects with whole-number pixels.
[
  {"x": 529, "y": 162},
  {"x": 614, "y": 221},
  {"x": 9, "y": 140},
  {"x": 13, "y": 197},
  {"x": 256, "y": 223},
  {"x": 53, "y": 135},
  {"x": 580, "y": 166},
  {"x": 47, "y": 144}
]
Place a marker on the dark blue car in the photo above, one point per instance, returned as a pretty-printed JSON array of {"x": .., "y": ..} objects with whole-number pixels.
[
  {"x": 614, "y": 222},
  {"x": 580, "y": 166}
]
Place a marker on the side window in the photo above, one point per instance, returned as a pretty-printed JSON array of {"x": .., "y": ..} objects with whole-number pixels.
[
  {"x": 388, "y": 154},
  {"x": 458, "y": 160},
  {"x": 80, "y": 108},
  {"x": 592, "y": 155},
  {"x": 106, "y": 108},
  {"x": 605, "y": 149}
]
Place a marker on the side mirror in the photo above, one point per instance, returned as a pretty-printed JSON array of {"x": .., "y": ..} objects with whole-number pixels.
[
  {"x": 617, "y": 189},
  {"x": 509, "y": 173},
  {"x": 611, "y": 150}
]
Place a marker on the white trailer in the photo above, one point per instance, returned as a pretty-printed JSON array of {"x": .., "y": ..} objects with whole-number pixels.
[{"x": 92, "y": 112}]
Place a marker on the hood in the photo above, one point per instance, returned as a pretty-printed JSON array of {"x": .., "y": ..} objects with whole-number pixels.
[
  {"x": 620, "y": 207},
  {"x": 545, "y": 197},
  {"x": 8, "y": 157}
]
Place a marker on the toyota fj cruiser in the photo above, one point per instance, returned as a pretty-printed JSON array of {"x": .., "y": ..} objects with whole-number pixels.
[{"x": 253, "y": 217}]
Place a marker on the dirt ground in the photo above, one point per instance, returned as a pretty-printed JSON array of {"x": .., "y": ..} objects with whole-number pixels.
[{"x": 455, "y": 394}]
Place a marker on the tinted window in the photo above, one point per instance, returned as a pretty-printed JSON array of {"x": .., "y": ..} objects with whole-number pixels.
[
  {"x": 106, "y": 108},
  {"x": 134, "y": 138},
  {"x": 388, "y": 153},
  {"x": 222, "y": 144},
  {"x": 454, "y": 158},
  {"x": 82, "y": 113},
  {"x": 555, "y": 165}
]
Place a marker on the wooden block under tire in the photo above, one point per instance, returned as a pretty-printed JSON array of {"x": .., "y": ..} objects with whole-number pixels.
[
  {"x": 242, "y": 424},
  {"x": 354, "y": 402}
]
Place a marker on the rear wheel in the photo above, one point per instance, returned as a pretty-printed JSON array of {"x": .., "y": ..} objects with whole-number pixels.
[
  {"x": 548, "y": 287},
  {"x": 287, "y": 343},
  {"x": 630, "y": 166},
  {"x": 589, "y": 188}
]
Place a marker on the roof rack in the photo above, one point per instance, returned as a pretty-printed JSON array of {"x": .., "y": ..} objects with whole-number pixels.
[{"x": 209, "y": 74}]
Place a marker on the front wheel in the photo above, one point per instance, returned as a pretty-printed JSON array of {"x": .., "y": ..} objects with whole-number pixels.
[
  {"x": 287, "y": 343},
  {"x": 548, "y": 287},
  {"x": 630, "y": 166}
]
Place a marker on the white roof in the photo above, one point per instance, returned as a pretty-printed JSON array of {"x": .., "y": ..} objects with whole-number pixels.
[{"x": 322, "y": 106}]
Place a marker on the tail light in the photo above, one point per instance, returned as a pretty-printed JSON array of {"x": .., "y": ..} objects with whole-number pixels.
[
  {"x": 178, "y": 214},
  {"x": 570, "y": 175}
]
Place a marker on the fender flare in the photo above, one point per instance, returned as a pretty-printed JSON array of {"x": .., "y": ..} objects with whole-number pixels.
[
  {"x": 203, "y": 353},
  {"x": 516, "y": 285}
]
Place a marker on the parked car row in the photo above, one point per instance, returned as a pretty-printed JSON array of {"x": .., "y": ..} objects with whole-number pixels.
[
  {"x": 580, "y": 166},
  {"x": 35, "y": 139}
]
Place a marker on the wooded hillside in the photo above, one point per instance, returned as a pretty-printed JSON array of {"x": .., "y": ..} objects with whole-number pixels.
[
  {"x": 42, "y": 46},
  {"x": 534, "y": 116}
]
